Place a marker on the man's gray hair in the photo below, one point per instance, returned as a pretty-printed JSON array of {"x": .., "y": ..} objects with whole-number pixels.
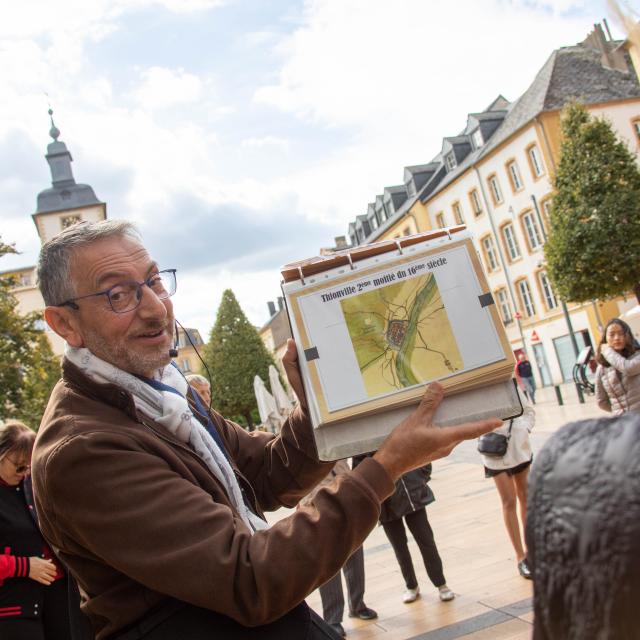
[
  {"x": 54, "y": 263},
  {"x": 198, "y": 379}
]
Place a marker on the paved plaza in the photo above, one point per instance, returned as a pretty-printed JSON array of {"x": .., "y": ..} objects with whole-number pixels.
[{"x": 492, "y": 601}]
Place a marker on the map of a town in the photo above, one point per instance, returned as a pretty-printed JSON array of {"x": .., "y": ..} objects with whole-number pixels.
[{"x": 401, "y": 335}]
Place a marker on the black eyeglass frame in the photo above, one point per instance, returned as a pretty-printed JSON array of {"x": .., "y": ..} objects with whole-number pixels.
[{"x": 71, "y": 303}]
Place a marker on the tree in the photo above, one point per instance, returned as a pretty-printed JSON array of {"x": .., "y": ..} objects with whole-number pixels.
[
  {"x": 235, "y": 354},
  {"x": 593, "y": 250},
  {"x": 28, "y": 367}
]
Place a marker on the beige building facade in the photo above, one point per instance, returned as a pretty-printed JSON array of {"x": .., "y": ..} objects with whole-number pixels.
[{"x": 495, "y": 176}]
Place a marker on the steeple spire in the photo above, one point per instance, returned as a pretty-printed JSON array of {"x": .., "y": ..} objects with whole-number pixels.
[
  {"x": 59, "y": 158},
  {"x": 65, "y": 194},
  {"x": 54, "y": 132}
]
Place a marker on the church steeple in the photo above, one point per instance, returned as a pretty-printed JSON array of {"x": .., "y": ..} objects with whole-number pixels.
[
  {"x": 66, "y": 201},
  {"x": 59, "y": 159}
]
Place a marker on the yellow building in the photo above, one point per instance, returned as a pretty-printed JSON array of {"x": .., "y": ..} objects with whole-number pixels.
[
  {"x": 495, "y": 177},
  {"x": 275, "y": 332}
]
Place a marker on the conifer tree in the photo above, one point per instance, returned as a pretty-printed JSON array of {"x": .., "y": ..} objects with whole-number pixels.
[
  {"x": 28, "y": 367},
  {"x": 593, "y": 250},
  {"x": 235, "y": 354}
]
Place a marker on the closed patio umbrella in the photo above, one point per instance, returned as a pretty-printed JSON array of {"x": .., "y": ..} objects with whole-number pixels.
[{"x": 283, "y": 402}]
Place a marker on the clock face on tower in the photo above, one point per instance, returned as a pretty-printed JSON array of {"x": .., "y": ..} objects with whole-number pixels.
[{"x": 67, "y": 221}]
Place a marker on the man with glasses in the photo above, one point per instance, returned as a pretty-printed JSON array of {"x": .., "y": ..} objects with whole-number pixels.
[{"x": 156, "y": 503}]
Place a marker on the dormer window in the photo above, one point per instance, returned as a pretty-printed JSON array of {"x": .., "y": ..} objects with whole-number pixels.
[
  {"x": 373, "y": 222},
  {"x": 450, "y": 161},
  {"x": 476, "y": 138},
  {"x": 411, "y": 188}
]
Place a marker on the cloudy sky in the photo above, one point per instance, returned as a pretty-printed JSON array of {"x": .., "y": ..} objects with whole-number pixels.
[{"x": 243, "y": 134}]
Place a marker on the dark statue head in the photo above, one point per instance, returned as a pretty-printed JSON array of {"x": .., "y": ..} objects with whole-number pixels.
[{"x": 583, "y": 531}]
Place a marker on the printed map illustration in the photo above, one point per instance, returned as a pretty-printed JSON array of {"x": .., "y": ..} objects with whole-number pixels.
[{"x": 401, "y": 335}]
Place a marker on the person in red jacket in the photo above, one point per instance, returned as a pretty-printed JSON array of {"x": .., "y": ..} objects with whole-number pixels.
[{"x": 33, "y": 587}]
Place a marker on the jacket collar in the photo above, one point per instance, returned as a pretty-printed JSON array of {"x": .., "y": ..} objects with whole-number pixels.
[{"x": 108, "y": 393}]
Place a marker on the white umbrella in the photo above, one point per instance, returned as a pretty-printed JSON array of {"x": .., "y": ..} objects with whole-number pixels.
[
  {"x": 283, "y": 401},
  {"x": 269, "y": 415}
]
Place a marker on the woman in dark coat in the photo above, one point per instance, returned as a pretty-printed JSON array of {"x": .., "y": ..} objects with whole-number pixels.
[
  {"x": 33, "y": 586},
  {"x": 409, "y": 500}
]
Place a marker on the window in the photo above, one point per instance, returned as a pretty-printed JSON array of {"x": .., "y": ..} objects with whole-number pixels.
[
  {"x": 525, "y": 298},
  {"x": 373, "y": 221},
  {"x": 475, "y": 202},
  {"x": 24, "y": 280},
  {"x": 450, "y": 162},
  {"x": 547, "y": 292},
  {"x": 185, "y": 365},
  {"x": 440, "y": 220},
  {"x": 476, "y": 138},
  {"x": 457, "y": 213},
  {"x": 546, "y": 211},
  {"x": 514, "y": 175},
  {"x": 532, "y": 230},
  {"x": 494, "y": 187},
  {"x": 535, "y": 161},
  {"x": 504, "y": 306},
  {"x": 510, "y": 242},
  {"x": 635, "y": 123},
  {"x": 489, "y": 250},
  {"x": 67, "y": 221}
]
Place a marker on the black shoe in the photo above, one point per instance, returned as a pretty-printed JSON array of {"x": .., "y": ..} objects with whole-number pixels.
[
  {"x": 339, "y": 629},
  {"x": 364, "y": 614},
  {"x": 523, "y": 568}
]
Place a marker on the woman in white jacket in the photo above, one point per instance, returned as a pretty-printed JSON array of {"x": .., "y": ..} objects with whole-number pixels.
[{"x": 511, "y": 475}]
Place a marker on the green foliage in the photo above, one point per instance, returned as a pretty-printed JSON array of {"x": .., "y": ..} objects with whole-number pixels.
[
  {"x": 28, "y": 367},
  {"x": 235, "y": 354},
  {"x": 593, "y": 250}
]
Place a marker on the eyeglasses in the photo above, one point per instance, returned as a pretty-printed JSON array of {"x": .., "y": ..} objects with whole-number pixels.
[
  {"x": 126, "y": 296},
  {"x": 20, "y": 468}
]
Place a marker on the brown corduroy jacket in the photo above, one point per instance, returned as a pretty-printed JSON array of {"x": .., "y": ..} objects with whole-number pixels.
[{"x": 138, "y": 517}]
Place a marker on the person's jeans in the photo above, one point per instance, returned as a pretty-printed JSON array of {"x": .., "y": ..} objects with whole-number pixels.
[
  {"x": 530, "y": 388},
  {"x": 423, "y": 534}
]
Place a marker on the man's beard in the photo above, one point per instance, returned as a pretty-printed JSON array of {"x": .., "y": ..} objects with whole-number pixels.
[{"x": 123, "y": 358}]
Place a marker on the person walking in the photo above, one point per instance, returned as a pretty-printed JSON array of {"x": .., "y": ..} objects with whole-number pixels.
[
  {"x": 618, "y": 372},
  {"x": 524, "y": 374},
  {"x": 331, "y": 592},
  {"x": 33, "y": 587},
  {"x": 510, "y": 473},
  {"x": 412, "y": 494}
]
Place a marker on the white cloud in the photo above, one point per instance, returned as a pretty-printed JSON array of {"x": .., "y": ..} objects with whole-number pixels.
[
  {"x": 199, "y": 294},
  {"x": 162, "y": 87},
  {"x": 265, "y": 141}
]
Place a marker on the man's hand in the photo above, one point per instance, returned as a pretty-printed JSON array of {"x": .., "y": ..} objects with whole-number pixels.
[
  {"x": 290, "y": 364},
  {"x": 41, "y": 570},
  {"x": 417, "y": 441}
]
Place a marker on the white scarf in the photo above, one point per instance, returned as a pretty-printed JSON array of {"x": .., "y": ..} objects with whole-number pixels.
[{"x": 173, "y": 412}]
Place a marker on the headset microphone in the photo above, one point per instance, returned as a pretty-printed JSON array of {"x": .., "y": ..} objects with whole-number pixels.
[{"x": 173, "y": 352}]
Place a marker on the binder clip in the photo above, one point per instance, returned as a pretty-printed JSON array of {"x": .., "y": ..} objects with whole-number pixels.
[
  {"x": 350, "y": 262},
  {"x": 301, "y": 275},
  {"x": 399, "y": 246}
]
